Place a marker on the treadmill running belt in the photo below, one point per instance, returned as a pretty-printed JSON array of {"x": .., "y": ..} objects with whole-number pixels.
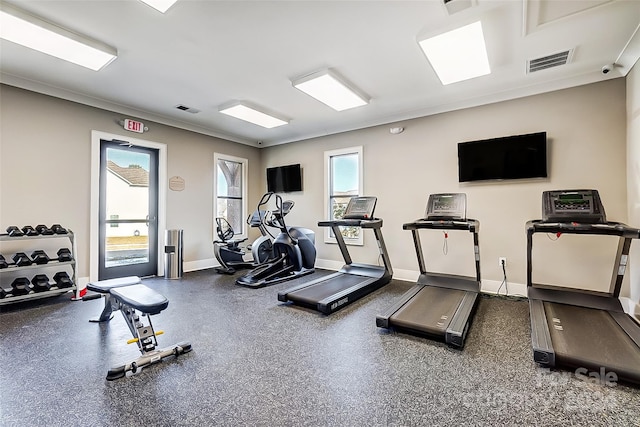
[
  {"x": 430, "y": 311},
  {"x": 590, "y": 338},
  {"x": 315, "y": 293}
]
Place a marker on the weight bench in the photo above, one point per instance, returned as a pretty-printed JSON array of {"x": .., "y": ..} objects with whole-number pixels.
[{"x": 129, "y": 295}]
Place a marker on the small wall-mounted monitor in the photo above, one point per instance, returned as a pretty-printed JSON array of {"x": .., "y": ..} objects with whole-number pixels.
[
  {"x": 511, "y": 157},
  {"x": 284, "y": 179}
]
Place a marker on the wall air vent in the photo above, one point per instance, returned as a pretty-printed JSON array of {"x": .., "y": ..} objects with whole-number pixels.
[
  {"x": 187, "y": 109},
  {"x": 549, "y": 61}
]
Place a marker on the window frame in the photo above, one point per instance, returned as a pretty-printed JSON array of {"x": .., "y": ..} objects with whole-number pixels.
[
  {"x": 328, "y": 179},
  {"x": 245, "y": 175}
]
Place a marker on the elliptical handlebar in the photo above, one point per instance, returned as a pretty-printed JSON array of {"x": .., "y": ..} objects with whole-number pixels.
[
  {"x": 265, "y": 198},
  {"x": 224, "y": 230},
  {"x": 275, "y": 218}
]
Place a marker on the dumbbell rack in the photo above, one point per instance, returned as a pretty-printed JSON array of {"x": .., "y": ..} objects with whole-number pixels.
[{"x": 34, "y": 267}]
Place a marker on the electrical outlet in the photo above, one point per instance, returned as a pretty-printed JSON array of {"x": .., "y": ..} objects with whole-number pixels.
[{"x": 502, "y": 260}]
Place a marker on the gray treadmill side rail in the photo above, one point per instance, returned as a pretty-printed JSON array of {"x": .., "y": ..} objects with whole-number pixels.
[
  {"x": 628, "y": 325},
  {"x": 459, "y": 326},
  {"x": 543, "y": 352}
]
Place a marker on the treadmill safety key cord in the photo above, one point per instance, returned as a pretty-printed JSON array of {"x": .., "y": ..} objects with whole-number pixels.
[{"x": 445, "y": 245}]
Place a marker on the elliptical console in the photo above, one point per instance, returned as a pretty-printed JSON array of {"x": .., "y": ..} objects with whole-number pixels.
[{"x": 572, "y": 205}]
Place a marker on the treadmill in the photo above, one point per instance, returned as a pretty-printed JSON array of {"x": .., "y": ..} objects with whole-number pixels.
[
  {"x": 353, "y": 281},
  {"x": 582, "y": 330},
  {"x": 438, "y": 306}
]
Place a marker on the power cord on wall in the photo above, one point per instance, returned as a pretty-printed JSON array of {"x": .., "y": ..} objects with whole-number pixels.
[
  {"x": 504, "y": 279},
  {"x": 505, "y": 283}
]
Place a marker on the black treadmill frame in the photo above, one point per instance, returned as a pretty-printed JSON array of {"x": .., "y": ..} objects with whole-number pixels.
[
  {"x": 374, "y": 277},
  {"x": 458, "y": 327},
  {"x": 543, "y": 351}
]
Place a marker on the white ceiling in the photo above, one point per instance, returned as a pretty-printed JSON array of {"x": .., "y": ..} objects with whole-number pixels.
[{"x": 203, "y": 54}]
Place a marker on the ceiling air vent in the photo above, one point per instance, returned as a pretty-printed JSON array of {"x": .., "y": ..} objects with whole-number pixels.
[
  {"x": 454, "y": 6},
  {"x": 549, "y": 61},
  {"x": 187, "y": 109}
]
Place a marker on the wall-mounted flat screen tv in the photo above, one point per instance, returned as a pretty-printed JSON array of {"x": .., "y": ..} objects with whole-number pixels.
[
  {"x": 511, "y": 157},
  {"x": 284, "y": 179}
]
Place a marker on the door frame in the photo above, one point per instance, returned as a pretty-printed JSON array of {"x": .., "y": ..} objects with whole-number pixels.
[{"x": 96, "y": 136}]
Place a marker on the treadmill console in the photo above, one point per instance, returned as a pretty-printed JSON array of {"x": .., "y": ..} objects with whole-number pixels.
[
  {"x": 361, "y": 207},
  {"x": 582, "y": 206},
  {"x": 447, "y": 206}
]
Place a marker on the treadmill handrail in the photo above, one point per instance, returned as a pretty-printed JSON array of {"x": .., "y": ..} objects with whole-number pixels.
[
  {"x": 364, "y": 223},
  {"x": 608, "y": 228},
  {"x": 470, "y": 224},
  {"x": 625, "y": 235}
]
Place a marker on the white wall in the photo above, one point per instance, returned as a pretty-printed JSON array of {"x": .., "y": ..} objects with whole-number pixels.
[
  {"x": 45, "y": 169},
  {"x": 126, "y": 201},
  {"x": 633, "y": 172},
  {"x": 45, "y": 161},
  {"x": 587, "y": 149}
]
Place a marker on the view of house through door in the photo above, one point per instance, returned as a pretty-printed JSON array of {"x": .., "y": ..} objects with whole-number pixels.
[{"x": 128, "y": 210}]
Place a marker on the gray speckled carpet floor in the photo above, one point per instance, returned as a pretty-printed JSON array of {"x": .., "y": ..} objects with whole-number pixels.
[{"x": 259, "y": 362}]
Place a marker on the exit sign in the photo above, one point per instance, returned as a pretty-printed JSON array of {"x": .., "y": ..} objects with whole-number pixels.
[{"x": 133, "y": 126}]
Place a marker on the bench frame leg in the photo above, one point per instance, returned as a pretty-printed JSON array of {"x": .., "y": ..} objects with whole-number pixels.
[
  {"x": 145, "y": 335},
  {"x": 110, "y": 305}
]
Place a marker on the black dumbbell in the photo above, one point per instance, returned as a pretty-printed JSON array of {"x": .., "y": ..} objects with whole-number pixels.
[
  {"x": 28, "y": 230},
  {"x": 62, "y": 280},
  {"x": 21, "y": 259},
  {"x": 58, "y": 229},
  {"x": 40, "y": 257},
  {"x": 40, "y": 283},
  {"x": 44, "y": 230},
  {"x": 64, "y": 254},
  {"x": 3, "y": 262},
  {"x": 20, "y": 286},
  {"x": 14, "y": 231}
]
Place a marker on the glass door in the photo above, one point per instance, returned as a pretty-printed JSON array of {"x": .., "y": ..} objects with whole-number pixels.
[{"x": 128, "y": 210}]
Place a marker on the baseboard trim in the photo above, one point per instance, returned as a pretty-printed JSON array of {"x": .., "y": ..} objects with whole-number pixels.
[
  {"x": 514, "y": 289},
  {"x": 202, "y": 264},
  {"x": 488, "y": 286}
]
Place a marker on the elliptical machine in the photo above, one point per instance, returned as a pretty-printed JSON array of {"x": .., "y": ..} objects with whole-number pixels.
[
  {"x": 294, "y": 253},
  {"x": 228, "y": 251}
]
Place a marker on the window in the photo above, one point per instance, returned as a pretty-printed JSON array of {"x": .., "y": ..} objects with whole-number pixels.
[
  {"x": 343, "y": 180},
  {"x": 230, "y": 201}
]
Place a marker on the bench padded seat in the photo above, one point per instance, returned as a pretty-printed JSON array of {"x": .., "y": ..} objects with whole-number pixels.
[
  {"x": 104, "y": 286},
  {"x": 141, "y": 298}
]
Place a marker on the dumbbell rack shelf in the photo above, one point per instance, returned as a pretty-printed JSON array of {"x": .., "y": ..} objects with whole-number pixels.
[{"x": 50, "y": 265}]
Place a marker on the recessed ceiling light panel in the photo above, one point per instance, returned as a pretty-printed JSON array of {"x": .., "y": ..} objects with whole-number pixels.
[
  {"x": 328, "y": 88},
  {"x": 24, "y": 29},
  {"x": 251, "y": 114},
  {"x": 458, "y": 55}
]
